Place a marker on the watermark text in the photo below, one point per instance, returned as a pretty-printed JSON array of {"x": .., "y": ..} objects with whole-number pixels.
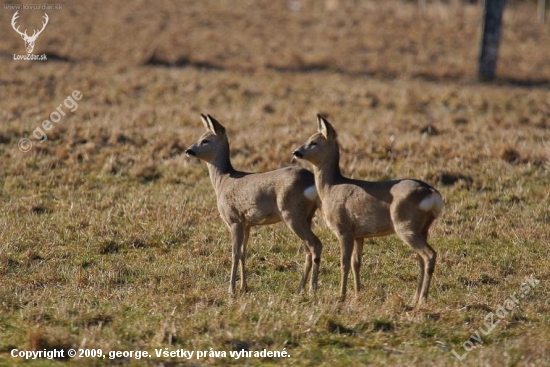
[
  {"x": 39, "y": 133},
  {"x": 33, "y": 6},
  {"x": 492, "y": 319}
]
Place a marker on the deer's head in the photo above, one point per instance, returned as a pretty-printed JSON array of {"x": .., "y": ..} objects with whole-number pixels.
[
  {"x": 29, "y": 40},
  {"x": 321, "y": 147},
  {"x": 213, "y": 145}
]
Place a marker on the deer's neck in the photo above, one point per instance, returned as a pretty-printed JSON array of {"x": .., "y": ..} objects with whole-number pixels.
[
  {"x": 219, "y": 169},
  {"x": 328, "y": 174}
]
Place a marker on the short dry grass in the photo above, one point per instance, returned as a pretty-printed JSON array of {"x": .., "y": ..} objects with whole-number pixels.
[{"x": 110, "y": 238}]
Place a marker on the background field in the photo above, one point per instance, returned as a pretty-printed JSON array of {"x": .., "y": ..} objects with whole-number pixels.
[{"x": 110, "y": 237}]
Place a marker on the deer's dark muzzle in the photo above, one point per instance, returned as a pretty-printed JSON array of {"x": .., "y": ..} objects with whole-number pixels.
[
  {"x": 190, "y": 153},
  {"x": 297, "y": 154}
]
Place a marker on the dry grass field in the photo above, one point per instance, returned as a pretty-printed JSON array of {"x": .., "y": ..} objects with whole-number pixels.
[{"x": 110, "y": 238}]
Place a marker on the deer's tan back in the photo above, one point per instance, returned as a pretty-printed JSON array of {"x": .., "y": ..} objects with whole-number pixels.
[{"x": 260, "y": 198}]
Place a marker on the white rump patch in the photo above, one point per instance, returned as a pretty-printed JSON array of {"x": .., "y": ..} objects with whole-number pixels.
[
  {"x": 433, "y": 203},
  {"x": 311, "y": 193}
]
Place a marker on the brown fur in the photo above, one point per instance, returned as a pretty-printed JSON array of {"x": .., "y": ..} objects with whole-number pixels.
[
  {"x": 251, "y": 199},
  {"x": 355, "y": 209}
]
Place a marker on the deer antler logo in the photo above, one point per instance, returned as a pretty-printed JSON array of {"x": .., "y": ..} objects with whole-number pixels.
[{"x": 29, "y": 41}]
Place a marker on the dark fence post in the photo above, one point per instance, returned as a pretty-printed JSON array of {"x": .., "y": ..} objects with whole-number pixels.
[{"x": 492, "y": 20}]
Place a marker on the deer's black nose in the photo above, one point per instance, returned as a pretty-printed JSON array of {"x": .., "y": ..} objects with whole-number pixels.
[
  {"x": 190, "y": 153},
  {"x": 297, "y": 154}
]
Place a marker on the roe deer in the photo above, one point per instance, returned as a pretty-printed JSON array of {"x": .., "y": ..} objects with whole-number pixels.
[
  {"x": 355, "y": 209},
  {"x": 251, "y": 199}
]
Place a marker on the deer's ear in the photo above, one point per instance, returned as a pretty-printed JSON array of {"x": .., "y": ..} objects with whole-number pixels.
[
  {"x": 205, "y": 122},
  {"x": 215, "y": 126},
  {"x": 325, "y": 128}
]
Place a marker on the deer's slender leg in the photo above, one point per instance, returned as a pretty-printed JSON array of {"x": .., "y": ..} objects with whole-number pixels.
[
  {"x": 430, "y": 265},
  {"x": 420, "y": 279},
  {"x": 426, "y": 260},
  {"x": 246, "y": 233},
  {"x": 301, "y": 226},
  {"x": 315, "y": 250},
  {"x": 306, "y": 270},
  {"x": 346, "y": 249},
  {"x": 357, "y": 254},
  {"x": 431, "y": 256},
  {"x": 237, "y": 236}
]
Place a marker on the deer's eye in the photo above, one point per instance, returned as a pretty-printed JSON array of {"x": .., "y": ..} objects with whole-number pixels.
[
  {"x": 204, "y": 141},
  {"x": 312, "y": 144}
]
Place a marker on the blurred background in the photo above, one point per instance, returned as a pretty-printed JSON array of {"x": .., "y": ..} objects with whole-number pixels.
[{"x": 393, "y": 39}]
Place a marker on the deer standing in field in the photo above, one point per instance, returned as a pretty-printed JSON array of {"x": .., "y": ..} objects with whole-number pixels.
[
  {"x": 355, "y": 209},
  {"x": 29, "y": 40},
  {"x": 251, "y": 199}
]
